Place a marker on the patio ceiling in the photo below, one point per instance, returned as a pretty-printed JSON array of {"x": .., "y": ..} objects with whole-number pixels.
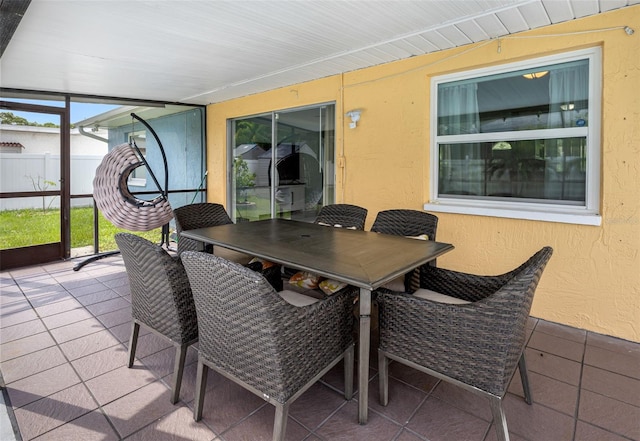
[{"x": 201, "y": 52}]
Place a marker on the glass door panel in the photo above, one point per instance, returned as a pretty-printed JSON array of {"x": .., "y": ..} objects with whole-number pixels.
[
  {"x": 31, "y": 180},
  {"x": 251, "y": 192},
  {"x": 302, "y": 180}
]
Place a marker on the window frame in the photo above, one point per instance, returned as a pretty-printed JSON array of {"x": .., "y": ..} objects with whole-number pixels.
[{"x": 587, "y": 214}]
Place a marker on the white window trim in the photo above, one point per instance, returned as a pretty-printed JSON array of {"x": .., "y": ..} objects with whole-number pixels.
[{"x": 589, "y": 214}]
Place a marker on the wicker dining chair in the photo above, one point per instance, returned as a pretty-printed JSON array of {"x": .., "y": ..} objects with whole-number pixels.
[
  {"x": 252, "y": 336},
  {"x": 343, "y": 215},
  {"x": 209, "y": 214},
  {"x": 465, "y": 329},
  {"x": 409, "y": 223},
  {"x": 161, "y": 299},
  {"x": 200, "y": 215}
]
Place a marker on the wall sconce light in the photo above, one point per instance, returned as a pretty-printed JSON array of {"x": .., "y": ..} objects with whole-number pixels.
[
  {"x": 355, "y": 117},
  {"x": 568, "y": 106},
  {"x": 535, "y": 75}
]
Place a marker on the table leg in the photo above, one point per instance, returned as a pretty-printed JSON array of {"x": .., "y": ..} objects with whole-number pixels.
[{"x": 363, "y": 355}]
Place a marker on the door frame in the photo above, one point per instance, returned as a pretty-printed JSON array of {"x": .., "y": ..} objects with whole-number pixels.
[{"x": 43, "y": 253}]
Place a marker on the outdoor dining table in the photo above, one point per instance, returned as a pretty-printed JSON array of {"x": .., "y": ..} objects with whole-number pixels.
[{"x": 364, "y": 259}]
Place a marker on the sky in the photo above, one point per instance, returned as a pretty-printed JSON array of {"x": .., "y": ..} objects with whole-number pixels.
[{"x": 79, "y": 111}]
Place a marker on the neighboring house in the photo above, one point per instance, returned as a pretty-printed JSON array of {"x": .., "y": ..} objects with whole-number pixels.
[{"x": 565, "y": 177}]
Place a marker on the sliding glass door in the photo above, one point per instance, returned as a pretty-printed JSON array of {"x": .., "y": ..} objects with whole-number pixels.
[{"x": 292, "y": 180}]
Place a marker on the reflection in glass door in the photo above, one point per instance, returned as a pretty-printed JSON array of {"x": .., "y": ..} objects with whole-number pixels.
[
  {"x": 33, "y": 198},
  {"x": 302, "y": 179}
]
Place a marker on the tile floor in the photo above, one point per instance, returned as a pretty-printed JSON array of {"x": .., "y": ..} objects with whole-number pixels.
[{"x": 63, "y": 361}]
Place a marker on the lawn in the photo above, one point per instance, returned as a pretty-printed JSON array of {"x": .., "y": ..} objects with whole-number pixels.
[{"x": 21, "y": 228}]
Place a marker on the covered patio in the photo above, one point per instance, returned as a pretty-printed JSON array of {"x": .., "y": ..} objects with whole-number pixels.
[
  {"x": 64, "y": 333},
  {"x": 64, "y": 350}
]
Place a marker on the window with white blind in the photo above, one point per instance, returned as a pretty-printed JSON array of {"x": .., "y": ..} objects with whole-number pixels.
[{"x": 519, "y": 140}]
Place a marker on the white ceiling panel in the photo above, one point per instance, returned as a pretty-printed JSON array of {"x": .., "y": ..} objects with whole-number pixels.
[
  {"x": 473, "y": 31},
  {"x": 584, "y": 8},
  {"x": 200, "y": 52},
  {"x": 558, "y": 11},
  {"x": 455, "y": 35},
  {"x": 610, "y": 5},
  {"x": 492, "y": 26},
  {"x": 513, "y": 20}
]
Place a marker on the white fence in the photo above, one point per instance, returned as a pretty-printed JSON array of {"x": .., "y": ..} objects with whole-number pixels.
[{"x": 38, "y": 172}]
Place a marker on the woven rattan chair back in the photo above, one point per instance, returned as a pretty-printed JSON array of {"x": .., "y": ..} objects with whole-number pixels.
[
  {"x": 200, "y": 215},
  {"x": 344, "y": 215},
  {"x": 477, "y": 345},
  {"x": 409, "y": 223},
  {"x": 249, "y": 334},
  {"x": 161, "y": 298},
  {"x": 406, "y": 223}
]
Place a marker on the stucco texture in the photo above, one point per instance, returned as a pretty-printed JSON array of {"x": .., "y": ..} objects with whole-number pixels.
[{"x": 593, "y": 279}]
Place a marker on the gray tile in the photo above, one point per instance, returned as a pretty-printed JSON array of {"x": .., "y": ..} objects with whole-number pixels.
[
  {"x": 24, "y": 346},
  {"x": 464, "y": 400},
  {"x": 32, "y": 363},
  {"x": 92, "y": 426},
  {"x": 76, "y": 330},
  {"x": 562, "y": 331},
  {"x": 439, "y": 421},
  {"x": 612, "y": 415},
  {"x": 65, "y": 318},
  {"x": 55, "y": 410},
  {"x": 141, "y": 407},
  {"x": 259, "y": 427},
  {"x": 536, "y": 422},
  {"x": 560, "y": 368},
  {"x": 403, "y": 400},
  {"x": 343, "y": 425},
  {"x": 89, "y": 344},
  {"x": 588, "y": 432},
  {"x": 557, "y": 346},
  {"x": 613, "y": 344},
  {"x": 625, "y": 362},
  {"x": 226, "y": 403},
  {"x": 21, "y": 330},
  {"x": 97, "y": 297},
  {"x": 119, "y": 382},
  {"x": 101, "y": 362},
  {"x": 316, "y": 405},
  {"x": 611, "y": 385},
  {"x": 549, "y": 392},
  {"x": 108, "y": 306},
  {"x": 178, "y": 425},
  {"x": 40, "y": 385},
  {"x": 115, "y": 318}
]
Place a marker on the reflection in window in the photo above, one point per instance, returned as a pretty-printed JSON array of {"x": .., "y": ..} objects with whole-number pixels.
[{"x": 519, "y": 134}]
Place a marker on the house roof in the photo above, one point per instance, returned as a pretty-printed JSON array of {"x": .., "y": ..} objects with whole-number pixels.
[{"x": 201, "y": 52}]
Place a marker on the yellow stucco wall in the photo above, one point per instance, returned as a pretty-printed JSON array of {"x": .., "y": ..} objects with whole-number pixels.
[{"x": 593, "y": 280}]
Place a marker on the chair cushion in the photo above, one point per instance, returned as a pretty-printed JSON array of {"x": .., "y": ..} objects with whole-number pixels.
[
  {"x": 297, "y": 299},
  {"x": 330, "y": 286},
  {"x": 336, "y": 225},
  {"x": 427, "y": 294},
  {"x": 305, "y": 279}
]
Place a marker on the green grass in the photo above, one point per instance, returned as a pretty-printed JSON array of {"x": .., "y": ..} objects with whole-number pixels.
[{"x": 21, "y": 228}]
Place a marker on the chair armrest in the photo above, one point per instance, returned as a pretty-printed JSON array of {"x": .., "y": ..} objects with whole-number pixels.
[{"x": 465, "y": 286}]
